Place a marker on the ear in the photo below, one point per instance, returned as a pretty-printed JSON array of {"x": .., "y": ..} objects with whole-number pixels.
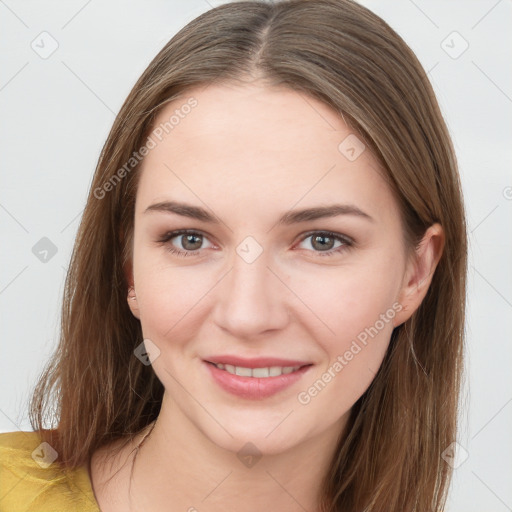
[
  {"x": 132, "y": 297},
  {"x": 419, "y": 272}
]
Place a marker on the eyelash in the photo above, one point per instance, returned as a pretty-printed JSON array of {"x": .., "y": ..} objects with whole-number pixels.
[{"x": 164, "y": 240}]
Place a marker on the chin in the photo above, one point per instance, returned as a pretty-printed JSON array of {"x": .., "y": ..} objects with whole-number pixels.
[
  {"x": 254, "y": 444},
  {"x": 269, "y": 437}
]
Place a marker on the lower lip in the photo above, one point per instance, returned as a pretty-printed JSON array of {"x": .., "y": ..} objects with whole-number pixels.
[{"x": 254, "y": 388}]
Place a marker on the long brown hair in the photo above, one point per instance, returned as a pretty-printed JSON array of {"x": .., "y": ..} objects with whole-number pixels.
[{"x": 390, "y": 455}]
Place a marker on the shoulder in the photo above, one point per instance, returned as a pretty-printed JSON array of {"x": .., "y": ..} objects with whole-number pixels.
[{"x": 32, "y": 480}]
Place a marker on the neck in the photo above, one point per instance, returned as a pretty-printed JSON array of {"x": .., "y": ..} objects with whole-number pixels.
[{"x": 178, "y": 468}]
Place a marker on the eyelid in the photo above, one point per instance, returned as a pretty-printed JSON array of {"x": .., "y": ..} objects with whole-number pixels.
[
  {"x": 174, "y": 233},
  {"x": 347, "y": 242},
  {"x": 169, "y": 235},
  {"x": 345, "y": 238}
]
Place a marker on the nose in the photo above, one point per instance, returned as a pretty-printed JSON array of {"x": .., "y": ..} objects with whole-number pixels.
[{"x": 251, "y": 299}]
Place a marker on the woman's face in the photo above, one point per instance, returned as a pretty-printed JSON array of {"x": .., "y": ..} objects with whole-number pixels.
[{"x": 254, "y": 284}]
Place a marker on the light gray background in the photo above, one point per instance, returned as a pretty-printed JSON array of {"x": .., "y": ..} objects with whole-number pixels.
[{"x": 56, "y": 113}]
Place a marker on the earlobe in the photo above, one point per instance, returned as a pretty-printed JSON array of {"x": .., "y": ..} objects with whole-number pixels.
[
  {"x": 419, "y": 273},
  {"x": 132, "y": 302},
  {"x": 132, "y": 297}
]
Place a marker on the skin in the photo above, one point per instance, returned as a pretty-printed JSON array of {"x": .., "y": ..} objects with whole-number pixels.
[{"x": 249, "y": 153}]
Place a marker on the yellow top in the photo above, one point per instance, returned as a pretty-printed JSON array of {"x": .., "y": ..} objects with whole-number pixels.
[{"x": 31, "y": 480}]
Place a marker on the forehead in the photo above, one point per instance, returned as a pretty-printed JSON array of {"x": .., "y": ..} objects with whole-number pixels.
[
  {"x": 261, "y": 144},
  {"x": 238, "y": 121}
]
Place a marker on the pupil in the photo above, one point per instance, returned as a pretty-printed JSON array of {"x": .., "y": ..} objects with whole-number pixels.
[
  {"x": 322, "y": 245},
  {"x": 188, "y": 239}
]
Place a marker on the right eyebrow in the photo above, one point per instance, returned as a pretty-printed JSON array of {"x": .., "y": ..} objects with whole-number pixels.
[{"x": 183, "y": 209}]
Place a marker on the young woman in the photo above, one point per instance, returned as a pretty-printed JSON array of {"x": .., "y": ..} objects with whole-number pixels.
[{"x": 265, "y": 303}]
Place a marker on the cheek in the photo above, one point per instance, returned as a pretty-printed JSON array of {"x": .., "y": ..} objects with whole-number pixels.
[
  {"x": 168, "y": 296},
  {"x": 359, "y": 310},
  {"x": 356, "y": 304},
  {"x": 348, "y": 300}
]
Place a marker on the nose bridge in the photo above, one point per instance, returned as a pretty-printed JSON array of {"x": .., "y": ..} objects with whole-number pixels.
[
  {"x": 250, "y": 278},
  {"x": 249, "y": 267},
  {"x": 251, "y": 298}
]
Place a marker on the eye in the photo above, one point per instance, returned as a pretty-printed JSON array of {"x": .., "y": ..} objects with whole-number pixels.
[
  {"x": 189, "y": 240},
  {"x": 323, "y": 242}
]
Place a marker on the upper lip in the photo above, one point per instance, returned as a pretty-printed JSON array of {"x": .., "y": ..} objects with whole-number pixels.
[{"x": 256, "y": 362}]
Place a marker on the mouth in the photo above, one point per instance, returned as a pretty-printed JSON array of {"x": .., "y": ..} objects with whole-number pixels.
[
  {"x": 259, "y": 372},
  {"x": 255, "y": 379}
]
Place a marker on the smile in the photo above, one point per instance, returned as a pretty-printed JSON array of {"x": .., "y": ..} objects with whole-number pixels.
[
  {"x": 265, "y": 372},
  {"x": 255, "y": 382}
]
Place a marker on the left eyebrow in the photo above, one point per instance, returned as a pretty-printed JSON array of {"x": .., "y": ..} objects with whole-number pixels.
[
  {"x": 320, "y": 212},
  {"x": 291, "y": 217}
]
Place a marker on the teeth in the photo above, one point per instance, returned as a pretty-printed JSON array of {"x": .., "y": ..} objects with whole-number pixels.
[
  {"x": 260, "y": 372},
  {"x": 243, "y": 372},
  {"x": 273, "y": 371}
]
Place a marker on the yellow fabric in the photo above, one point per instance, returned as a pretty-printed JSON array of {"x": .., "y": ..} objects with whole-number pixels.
[{"x": 27, "y": 486}]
